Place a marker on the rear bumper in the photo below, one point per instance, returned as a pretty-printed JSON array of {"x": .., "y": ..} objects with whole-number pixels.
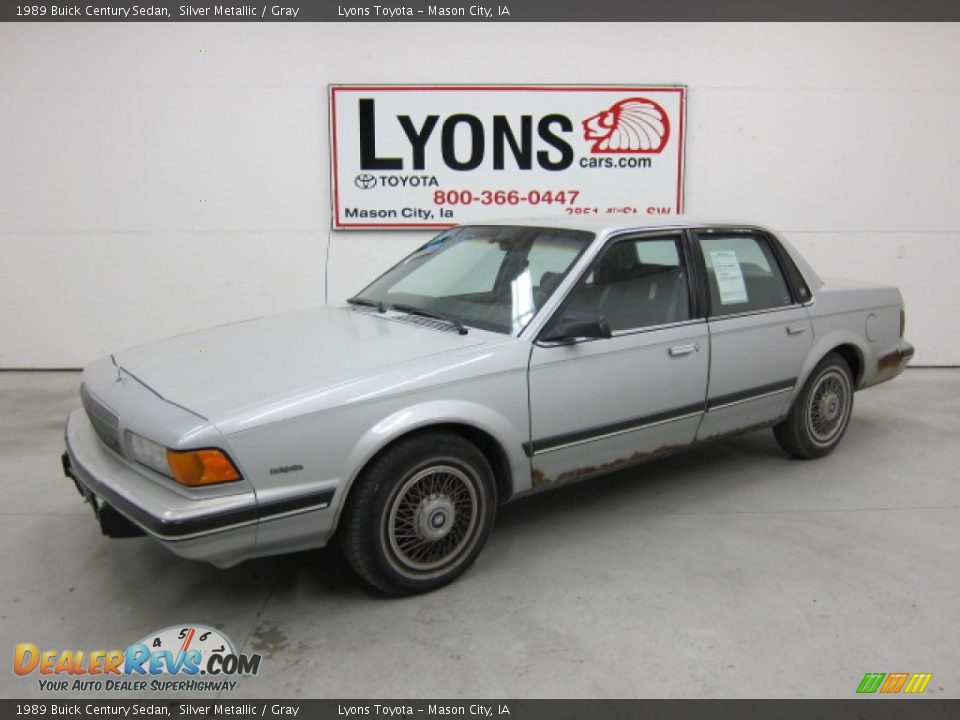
[
  {"x": 906, "y": 353},
  {"x": 217, "y": 529}
]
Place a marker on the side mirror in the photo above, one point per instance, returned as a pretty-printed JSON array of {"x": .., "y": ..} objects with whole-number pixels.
[{"x": 577, "y": 326}]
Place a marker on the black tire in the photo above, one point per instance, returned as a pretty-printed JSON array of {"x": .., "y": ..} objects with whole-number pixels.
[
  {"x": 419, "y": 514},
  {"x": 821, "y": 412}
]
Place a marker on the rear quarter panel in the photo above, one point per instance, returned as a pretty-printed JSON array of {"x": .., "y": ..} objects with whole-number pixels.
[{"x": 863, "y": 315}]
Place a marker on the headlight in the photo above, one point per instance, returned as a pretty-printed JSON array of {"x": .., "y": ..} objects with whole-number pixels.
[
  {"x": 148, "y": 453},
  {"x": 188, "y": 467}
]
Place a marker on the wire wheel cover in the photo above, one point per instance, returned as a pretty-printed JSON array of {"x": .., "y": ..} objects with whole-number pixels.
[
  {"x": 829, "y": 406},
  {"x": 432, "y": 518}
]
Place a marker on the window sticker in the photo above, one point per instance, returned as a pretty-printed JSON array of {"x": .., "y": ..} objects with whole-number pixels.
[{"x": 729, "y": 276}]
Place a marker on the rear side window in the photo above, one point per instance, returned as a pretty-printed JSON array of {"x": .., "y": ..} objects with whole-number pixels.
[{"x": 742, "y": 274}]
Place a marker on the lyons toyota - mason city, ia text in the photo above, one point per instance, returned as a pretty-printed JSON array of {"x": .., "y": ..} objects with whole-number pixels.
[{"x": 388, "y": 12}]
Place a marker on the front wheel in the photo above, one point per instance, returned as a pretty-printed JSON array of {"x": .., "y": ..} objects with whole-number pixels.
[
  {"x": 821, "y": 412},
  {"x": 419, "y": 514}
]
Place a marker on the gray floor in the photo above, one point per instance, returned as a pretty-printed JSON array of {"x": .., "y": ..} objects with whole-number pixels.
[{"x": 731, "y": 571}]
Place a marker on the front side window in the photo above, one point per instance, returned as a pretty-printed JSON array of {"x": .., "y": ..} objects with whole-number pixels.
[
  {"x": 742, "y": 273},
  {"x": 634, "y": 284},
  {"x": 492, "y": 277}
]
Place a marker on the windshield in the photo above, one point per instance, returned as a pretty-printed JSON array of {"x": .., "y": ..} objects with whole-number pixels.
[{"x": 490, "y": 277}]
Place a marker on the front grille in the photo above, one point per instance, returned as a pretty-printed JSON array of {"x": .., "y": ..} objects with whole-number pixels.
[{"x": 105, "y": 423}]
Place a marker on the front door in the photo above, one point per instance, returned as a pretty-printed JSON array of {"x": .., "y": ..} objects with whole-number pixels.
[{"x": 604, "y": 403}]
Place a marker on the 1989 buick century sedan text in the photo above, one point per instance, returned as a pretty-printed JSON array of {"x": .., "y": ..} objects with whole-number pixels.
[{"x": 494, "y": 361}]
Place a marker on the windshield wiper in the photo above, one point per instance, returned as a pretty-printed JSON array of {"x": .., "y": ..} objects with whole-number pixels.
[
  {"x": 461, "y": 328},
  {"x": 368, "y": 303}
]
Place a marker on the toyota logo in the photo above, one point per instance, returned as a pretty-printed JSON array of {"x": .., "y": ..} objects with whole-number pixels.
[{"x": 365, "y": 181}]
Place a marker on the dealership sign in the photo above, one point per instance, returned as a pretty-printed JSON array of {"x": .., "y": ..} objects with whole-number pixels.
[{"x": 434, "y": 156}]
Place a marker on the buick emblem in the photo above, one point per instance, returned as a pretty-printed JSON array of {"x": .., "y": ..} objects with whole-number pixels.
[{"x": 365, "y": 181}]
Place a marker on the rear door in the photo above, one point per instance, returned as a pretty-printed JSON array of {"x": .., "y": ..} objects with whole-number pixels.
[
  {"x": 760, "y": 331},
  {"x": 600, "y": 404}
]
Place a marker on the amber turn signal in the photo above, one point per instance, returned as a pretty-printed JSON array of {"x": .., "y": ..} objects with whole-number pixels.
[{"x": 201, "y": 467}]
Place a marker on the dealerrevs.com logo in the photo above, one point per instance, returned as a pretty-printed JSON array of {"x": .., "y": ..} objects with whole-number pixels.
[{"x": 182, "y": 658}]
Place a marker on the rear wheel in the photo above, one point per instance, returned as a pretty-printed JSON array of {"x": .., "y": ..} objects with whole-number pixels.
[
  {"x": 821, "y": 412},
  {"x": 419, "y": 514}
]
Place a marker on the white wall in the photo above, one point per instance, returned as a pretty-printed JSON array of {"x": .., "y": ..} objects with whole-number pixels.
[{"x": 159, "y": 178}]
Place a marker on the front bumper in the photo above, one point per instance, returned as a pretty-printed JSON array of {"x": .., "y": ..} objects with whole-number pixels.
[{"x": 217, "y": 529}]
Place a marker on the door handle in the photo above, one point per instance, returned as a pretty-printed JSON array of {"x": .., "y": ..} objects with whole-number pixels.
[
  {"x": 681, "y": 350},
  {"x": 796, "y": 329}
]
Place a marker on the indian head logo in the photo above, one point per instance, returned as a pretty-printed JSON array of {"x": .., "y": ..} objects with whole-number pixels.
[{"x": 634, "y": 125}]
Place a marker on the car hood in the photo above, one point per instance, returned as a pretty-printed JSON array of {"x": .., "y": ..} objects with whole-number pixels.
[{"x": 235, "y": 366}]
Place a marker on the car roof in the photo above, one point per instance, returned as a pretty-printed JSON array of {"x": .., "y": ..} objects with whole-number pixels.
[{"x": 606, "y": 223}]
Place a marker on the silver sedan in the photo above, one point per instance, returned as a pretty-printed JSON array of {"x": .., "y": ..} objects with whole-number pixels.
[{"x": 495, "y": 361}]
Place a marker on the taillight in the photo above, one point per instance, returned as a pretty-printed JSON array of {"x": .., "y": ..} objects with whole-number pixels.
[{"x": 903, "y": 321}]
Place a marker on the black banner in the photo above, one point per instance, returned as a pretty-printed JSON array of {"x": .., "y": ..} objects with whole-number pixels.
[
  {"x": 854, "y": 709},
  {"x": 499, "y": 11}
]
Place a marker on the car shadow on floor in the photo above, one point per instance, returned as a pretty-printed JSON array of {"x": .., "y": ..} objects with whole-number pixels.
[
  {"x": 662, "y": 485},
  {"x": 708, "y": 468}
]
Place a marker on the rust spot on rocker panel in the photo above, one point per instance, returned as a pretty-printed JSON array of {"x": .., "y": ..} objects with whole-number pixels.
[
  {"x": 732, "y": 433},
  {"x": 637, "y": 457},
  {"x": 539, "y": 479}
]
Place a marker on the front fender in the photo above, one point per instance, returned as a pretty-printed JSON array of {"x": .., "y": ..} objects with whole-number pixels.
[{"x": 401, "y": 422}]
